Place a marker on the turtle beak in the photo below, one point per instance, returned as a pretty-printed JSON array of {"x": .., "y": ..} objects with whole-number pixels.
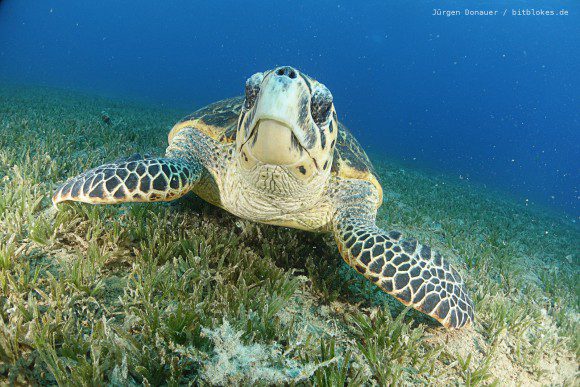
[
  {"x": 275, "y": 134},
  {"x": 285, "y": 98},
  {"x": 282, "y": 99},
  {"x": 273, "y": 142}
]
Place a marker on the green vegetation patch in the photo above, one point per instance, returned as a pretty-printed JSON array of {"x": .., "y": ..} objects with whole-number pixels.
[{"x": 184, "y": 293}]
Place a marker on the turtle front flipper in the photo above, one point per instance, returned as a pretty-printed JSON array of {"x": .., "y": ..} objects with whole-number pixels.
[
  {"x": 412, "y": 273},
  {"x": 133, "y": 179}
]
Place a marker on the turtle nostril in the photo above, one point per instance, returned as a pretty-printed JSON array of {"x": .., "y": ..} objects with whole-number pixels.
[{"x": 286, "y": 72}]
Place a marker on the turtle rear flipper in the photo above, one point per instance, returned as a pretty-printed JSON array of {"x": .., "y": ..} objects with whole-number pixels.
[{"x": 134, "y": 179}]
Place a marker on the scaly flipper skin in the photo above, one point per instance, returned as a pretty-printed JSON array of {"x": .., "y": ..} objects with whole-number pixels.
[
  {"x": 134, "y": 179},
  {"x": 410, "y": 272}
]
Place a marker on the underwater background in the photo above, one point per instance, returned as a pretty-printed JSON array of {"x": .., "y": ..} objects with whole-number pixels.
[
  {"x": 492, "y": 99},
  {"x": 472, "y": 124}
]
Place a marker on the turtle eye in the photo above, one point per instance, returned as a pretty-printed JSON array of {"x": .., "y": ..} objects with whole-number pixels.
[
  {"x": 320, "y": 105},
  {"x": 252, "y": 89}
]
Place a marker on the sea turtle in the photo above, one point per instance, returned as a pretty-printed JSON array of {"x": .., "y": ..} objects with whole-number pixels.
[{"x": 279, "y": 155}]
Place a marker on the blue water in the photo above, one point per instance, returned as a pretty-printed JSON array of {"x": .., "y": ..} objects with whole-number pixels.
[{"x": 492, "y": 99}]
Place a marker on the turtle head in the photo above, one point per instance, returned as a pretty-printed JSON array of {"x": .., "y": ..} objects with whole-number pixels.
[{"x": 287, "y": 120}]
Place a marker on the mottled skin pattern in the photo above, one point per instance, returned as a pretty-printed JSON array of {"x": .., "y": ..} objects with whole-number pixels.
[{"x": 279, "y": 156}]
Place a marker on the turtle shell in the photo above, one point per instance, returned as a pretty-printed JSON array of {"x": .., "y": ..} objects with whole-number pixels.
[
  {"x": 219, "y": 121},
  {"x": 351, "y": 162}
]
